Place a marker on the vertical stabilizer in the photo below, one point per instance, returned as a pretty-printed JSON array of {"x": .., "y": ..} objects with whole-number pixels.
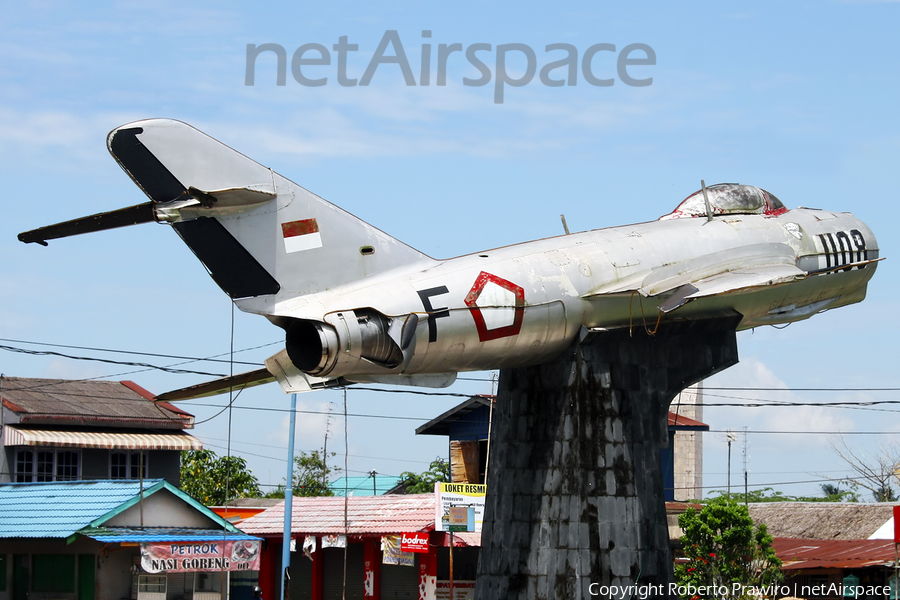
[{"x": 257, "y": 233}]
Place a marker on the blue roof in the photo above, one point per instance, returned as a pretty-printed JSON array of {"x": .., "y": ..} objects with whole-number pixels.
[
  {"x": 57, "y": 509},
  {"x": 163, "y": 534},
  {"x": 363, "y": 485},
  {"x": 64, "y": 508}
]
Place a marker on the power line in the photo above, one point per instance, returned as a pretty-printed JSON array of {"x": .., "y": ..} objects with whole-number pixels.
[
  {"x": 775, "y": 432},
  {"x": 106, "y": 360},
  {"x": 781, "y": 389},
  {"x": 213, "y": 358},
  {"x": 367, "y": 456}
]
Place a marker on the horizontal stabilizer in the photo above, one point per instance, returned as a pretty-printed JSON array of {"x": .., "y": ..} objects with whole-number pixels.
[
  {"x": 219, "y": 386},
  {"x": 123, "y": 217}
]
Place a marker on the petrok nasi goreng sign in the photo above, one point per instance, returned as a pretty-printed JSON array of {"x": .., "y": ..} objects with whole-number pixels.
[{"x": 201, "y": 556}]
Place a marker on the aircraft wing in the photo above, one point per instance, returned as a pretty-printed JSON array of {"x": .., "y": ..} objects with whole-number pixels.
[
  {"x": 732, "y": 281},
  {"x": 711, "y": 274},
  {"x": 219, "y": 386}
]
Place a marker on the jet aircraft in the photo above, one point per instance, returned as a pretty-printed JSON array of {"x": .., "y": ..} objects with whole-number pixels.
[{"x": 359, "y": 306}]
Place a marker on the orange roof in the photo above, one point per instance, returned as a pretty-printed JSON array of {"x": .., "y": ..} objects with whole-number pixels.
[{"x": 680, "y": 421}]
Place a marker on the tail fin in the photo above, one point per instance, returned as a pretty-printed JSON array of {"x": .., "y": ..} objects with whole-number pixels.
[{"x": 256, "y": 232}]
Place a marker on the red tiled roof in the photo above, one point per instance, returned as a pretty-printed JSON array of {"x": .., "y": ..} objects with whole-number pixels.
[
  {"x": 88, "y": 403},
  {"x": 837, "y": 554},
  {"x": 365, "y": 515},
  {"x": 683, "y": 421}
]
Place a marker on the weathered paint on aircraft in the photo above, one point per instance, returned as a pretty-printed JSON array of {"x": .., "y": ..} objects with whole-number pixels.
[{"x": 357, "y": 305}]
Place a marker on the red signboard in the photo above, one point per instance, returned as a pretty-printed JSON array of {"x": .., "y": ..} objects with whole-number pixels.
[
  {"x": 414, "y": 542},
  {"x": 180, "y": 557}
]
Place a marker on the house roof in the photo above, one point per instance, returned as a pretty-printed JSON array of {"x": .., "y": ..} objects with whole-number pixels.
[
  {"x": 89, "y": 403},
  {"x": 365, "y": 515},
  {"x": 681, "y": 422},
  {"x": 61, "y": 509},
  {"x": 162, "y": 534},
  {"x": 821, "y": 520},
  {"x": 41, "y": 510},
  {"x": 835, "y": 554},
  {"x": 440, "y": 425}
]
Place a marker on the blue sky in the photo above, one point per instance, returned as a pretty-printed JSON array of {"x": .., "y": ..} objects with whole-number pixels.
[{"x": 795, "y": 97}]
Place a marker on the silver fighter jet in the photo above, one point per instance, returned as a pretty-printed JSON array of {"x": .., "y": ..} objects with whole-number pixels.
[{"x": 357, "y": 305}]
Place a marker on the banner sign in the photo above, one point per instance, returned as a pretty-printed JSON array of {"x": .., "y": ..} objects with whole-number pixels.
[
  {"x": 334, "y": 541},
  {"x": 462, "y": 590},
  {"x": 414, "y": 542},
  {"x": 181, "y": 557},
  {"x": 393, "y": 555},
  {"x": 458, "y": 495}
]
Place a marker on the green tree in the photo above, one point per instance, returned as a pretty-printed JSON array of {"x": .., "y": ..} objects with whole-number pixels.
[
  {"x": 832, "y": 493},
  {"x": 312, "y": 474},
  {"x": 724, "y": 548},
  {"x": 423, "y": 483},
  {"x": 206, "y": 476}
]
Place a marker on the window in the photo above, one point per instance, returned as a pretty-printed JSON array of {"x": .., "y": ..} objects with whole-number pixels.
[
  {"x": 44, "y": 469},
  {"x": 66, "y": 465},
  {"x": 47, "y": 465},
  {"x": 127, "y": 465},
  {"x": 24, "y": 466}
]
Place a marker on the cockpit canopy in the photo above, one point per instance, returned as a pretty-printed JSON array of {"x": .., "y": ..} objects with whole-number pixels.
[{"x": 728, "y": 199}]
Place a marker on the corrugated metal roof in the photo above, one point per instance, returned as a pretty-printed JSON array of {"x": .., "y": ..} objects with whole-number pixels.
[
  {"x": 95, "y": 403},
  {"x": 466, "y": 538},
  {"x": 58, "y": 509},
  {"x": 162, "y": 534},
  {"x": 16, "y": 436},
  {"x": 835, "y": 554},
  {"x": 366, "y": 515}
]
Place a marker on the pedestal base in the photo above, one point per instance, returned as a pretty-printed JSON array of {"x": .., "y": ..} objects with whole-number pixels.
[{"x": 575, "y": 494}]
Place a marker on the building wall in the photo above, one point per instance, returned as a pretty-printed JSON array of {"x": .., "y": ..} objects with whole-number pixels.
[
  {"x": 162, "y": 509},
  {"x": 166, "y": 464},
  {"x": 112, "y": 573},
  {"x": 161, "y": 464},
  {"x": 688, "y": 450},
  {"x": 6, "y": 464}
]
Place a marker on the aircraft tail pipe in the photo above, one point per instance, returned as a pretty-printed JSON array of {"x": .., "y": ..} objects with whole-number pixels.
[{"x": 333, "y": 349}]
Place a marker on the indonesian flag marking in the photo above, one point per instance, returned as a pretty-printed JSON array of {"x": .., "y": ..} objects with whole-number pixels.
[{"x": 301, "y": 235}]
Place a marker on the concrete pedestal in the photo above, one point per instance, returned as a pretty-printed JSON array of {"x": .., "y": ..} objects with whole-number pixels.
[{"x": 575, "y": 493}]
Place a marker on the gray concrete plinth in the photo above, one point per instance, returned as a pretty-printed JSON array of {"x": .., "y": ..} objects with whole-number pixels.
[{"x": 575, "y": 492}]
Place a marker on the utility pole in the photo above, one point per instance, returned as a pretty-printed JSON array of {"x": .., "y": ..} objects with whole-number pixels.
[
  {"x": 746, "y": 444},
  {"x": 288, "y": 504},
  {"x": 731, "y": 438},
  {"x": 372, "y": 474}
]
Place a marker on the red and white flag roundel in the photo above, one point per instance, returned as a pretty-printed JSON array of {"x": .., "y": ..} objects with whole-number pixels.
[
  {"x": 301, "y": 235},
  {"x": 414, "y": 542}
]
